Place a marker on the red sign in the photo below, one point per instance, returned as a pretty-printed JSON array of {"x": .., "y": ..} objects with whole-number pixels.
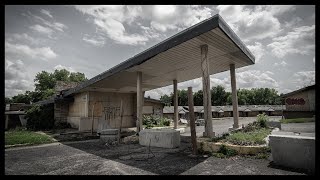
[{"x": 295, "y": 101}]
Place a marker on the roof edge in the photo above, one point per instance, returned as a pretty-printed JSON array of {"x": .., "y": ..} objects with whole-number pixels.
[{"x": 185, "y": 35}]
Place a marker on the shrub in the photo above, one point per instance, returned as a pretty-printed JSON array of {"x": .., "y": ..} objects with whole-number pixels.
[
  {"x": 249, "y": 138},
  {"x": 227, "y": 151},
  {"x": 152, "y": 121},
  {"x": 262, "y": 120},
  {"x": 40, "y": 117},
  {"x": 164, "y": 122},
  {"x": 219, "y": 138}
]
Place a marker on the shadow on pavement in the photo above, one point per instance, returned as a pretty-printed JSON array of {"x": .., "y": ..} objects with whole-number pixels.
[{"x": 156, "y": 160}]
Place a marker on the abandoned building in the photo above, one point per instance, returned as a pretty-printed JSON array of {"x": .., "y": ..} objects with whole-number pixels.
[
  {"x": 300, "y": 103},
  {"x": 115, "y": 97},
  {"x": 168, "y": 112},
  {"x": 244, "y": 110},
  {"x": 152, "y": 107},
  {"x": 15, "y": 113}
]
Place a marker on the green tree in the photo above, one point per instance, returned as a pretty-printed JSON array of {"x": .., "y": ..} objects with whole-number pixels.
[
  {"x": 77, "y": 77},
  {"x": 218, "y": 96},
  {"x": 44, "y": 80},
  {"x": 165, "y": 99},
  {"x": 8, "y": 100},
  {"x": 21, "y": 98},
  {"x": 45, "y": 83},
  {"x": 198, "y": 98},
  {"x": 61, "y": 75}
]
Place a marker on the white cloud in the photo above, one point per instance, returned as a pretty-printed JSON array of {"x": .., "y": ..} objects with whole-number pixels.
[
  {"x": 280, "y": 9},
  {"x": 112, "y": 20},
  {"x": 59, "y": 67},
  {"x": 51, "y": 24},
  {"x": 282, "y": 63},
  {"x": 96, "y": 41},
  {"x": 257, "y": 23},
  {"x": 16, "y": 78},
  {"x": 46, "y": 12},
  {"x": 304, "y": 78},
  {"x": 116, "y": 31},
  {"x": 23, "y": 37},
  {"x": 43, "y": 53},
  {"x": 299, "y": 41},
  {"x": 41, "y": 29},
  {"x": 255, "y": 79},
  {"x": 257, "y": 50},
  {"x": 166, "y": 17}
]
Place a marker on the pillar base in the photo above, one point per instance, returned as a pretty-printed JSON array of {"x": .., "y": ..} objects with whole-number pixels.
[
  {"x": 234, "y": 128},
  {"x": 213, "y": 134}
]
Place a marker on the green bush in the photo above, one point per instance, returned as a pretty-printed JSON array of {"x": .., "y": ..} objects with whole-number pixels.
[
  {"x": 249, "y": 138},
  {"x": 219, "y": 137},
  {"x": 164, "y": 122},
  {"x": 227, "y": 151},
  {"x": 155, "y": 121},
  {"x": 262, "y": 120},
  {"x": 40, "y": 117}
]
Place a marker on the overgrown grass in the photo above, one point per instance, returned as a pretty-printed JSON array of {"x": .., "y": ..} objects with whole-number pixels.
[
  {"x": 255, "y": 137},
  {"x": 297, "y": 120},
  {"x": 225, "y": 152},
  {"x": 13, "y": 137}
]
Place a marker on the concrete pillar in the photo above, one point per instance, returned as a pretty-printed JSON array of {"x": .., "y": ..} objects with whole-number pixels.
[
  {"x": 175, "y": 99},
  {"x": 234, "y": 96},
  {"x": 139, "y": 101},
  {"x": 206, "y": 92},
  {"x": 7, "y": 121}
]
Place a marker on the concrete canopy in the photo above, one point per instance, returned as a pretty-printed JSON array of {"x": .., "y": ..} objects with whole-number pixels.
[{"x": 178, "y": 57}]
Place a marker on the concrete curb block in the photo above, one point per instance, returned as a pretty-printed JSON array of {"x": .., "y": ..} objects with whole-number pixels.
[{"x": 203, "y": 144}]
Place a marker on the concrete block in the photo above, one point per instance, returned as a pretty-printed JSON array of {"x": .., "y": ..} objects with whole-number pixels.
[
  {"x": 293, "y": 151},
  {"x": 108, "y": 138},
  {"x": 181, "y": 130},
  {"x": 166, "y": 138},
  {"x": 274, "y": 124},
  {"x": 109, "y": 132}
]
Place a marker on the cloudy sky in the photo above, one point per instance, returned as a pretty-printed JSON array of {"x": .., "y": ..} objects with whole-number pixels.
[{"x": 92, "y": 39}]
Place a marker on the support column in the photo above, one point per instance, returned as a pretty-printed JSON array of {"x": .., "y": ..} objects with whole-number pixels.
[
  {"x": 139, "y": 101},
  {"x": 7, "y": 121},
  {"x": 234, "y": 97},
  {"x": 175, "y": 99},
  {"x": 206, "y": 92}
]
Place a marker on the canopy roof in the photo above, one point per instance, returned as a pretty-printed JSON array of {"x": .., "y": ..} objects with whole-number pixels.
[{"x": 178, "y": 57}]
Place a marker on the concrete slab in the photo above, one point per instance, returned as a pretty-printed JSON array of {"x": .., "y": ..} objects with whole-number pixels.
[
  {"x": 166, "y": 138},
  {"x": 293, "y": 151},
  {"x": 109, "y": 132},
  {"x": 94, "y": 158}
]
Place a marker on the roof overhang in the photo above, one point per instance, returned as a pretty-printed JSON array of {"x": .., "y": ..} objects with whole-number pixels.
[{"x": 176, "y": 58}]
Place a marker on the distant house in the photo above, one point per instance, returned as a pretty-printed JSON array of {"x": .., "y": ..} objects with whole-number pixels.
[
  {"x": 153, "y": 107},
  {"x": 244, "y": 110},
  {"x": 168, "y": 112},
  {"x": 300, "y": 103},
  {"x": 14, "y": 113}
]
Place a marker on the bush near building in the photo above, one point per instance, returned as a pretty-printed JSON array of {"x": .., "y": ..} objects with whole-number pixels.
[
  {"x": 155, "y": 121},
  {"x": 40, "y": 117}
]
